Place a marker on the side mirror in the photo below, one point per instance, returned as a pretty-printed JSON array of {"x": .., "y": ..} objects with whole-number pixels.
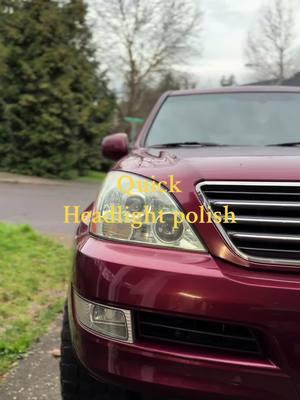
[{"x": 115, "y": 146}]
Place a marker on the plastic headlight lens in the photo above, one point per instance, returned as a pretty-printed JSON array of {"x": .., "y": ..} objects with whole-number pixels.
[
  {"x": 132, "y": 210},
  {"x": 103, "y": 320}
]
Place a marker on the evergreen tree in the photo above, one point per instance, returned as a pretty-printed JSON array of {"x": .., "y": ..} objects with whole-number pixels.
[{"x": 54, "y": 104}]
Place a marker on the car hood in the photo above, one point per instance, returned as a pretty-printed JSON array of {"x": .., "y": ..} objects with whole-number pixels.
[{"x": 193, "y": 165}]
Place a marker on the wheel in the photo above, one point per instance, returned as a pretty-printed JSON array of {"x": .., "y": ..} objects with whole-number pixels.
[{"x": 76, "y": 383}]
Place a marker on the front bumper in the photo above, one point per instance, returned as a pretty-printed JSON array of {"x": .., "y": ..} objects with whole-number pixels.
[{"x": 196, "y": 285}]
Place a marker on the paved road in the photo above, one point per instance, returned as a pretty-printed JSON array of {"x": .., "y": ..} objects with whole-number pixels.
[{"x": 42, "y": 206}]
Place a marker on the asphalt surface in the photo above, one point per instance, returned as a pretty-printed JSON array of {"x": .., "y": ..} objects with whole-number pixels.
[{"x": 41, "y": 205}]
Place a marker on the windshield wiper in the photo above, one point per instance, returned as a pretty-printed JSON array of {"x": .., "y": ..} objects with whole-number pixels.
[
  {"x": 183, "y": 144},
  {"x": 287, "y": 144}
]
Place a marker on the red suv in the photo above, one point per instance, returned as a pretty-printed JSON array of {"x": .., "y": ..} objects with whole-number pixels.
[{"x": 186, "y": 278}]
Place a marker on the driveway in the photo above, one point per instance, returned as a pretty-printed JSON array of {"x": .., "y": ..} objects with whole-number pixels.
[{"x": 42, "y": 206}]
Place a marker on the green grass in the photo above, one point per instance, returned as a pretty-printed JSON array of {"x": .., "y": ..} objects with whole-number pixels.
[
  {"x": 92, "y": 177},
  {"x": 33, "y": 278}
]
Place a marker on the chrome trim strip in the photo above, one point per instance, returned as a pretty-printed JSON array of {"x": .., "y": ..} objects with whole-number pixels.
[
  {"x": 263, "y": 220},
  {"x": 219, "y": 227},
  {"x": 269, "y": 250},
  {"x": 250, "y": 203},
  {"x": 264, "y": 236},
  {"x": 250, "y": 183},
  {"x": 245, "y": 203}
]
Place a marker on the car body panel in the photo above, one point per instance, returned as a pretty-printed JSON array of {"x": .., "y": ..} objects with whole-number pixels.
[{"x": 190, "y": 284}]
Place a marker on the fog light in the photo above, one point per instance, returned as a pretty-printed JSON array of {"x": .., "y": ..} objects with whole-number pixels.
[{"x": 104, "y": 320}]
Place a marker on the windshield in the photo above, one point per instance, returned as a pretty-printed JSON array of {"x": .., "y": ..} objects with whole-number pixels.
[{"x": 228, "y": 119}]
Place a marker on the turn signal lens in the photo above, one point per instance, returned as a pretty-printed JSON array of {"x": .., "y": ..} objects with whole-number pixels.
[{"x": 104, "y": 320}]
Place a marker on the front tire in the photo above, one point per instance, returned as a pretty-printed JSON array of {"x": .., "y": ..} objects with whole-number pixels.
[{"x": 76, "y": 383}]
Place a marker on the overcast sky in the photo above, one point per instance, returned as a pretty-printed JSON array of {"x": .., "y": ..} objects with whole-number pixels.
[
  {"x": 225, "y": 27},
  {"x": 226, "y": 23}
]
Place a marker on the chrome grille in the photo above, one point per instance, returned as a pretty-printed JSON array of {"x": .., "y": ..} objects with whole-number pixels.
[{"x": 267, "y": 216}]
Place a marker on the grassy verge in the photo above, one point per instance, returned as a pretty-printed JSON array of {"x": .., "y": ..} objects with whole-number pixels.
[
  {"x": 92, "y": 177},
  {"x": 33, "y": 276}
]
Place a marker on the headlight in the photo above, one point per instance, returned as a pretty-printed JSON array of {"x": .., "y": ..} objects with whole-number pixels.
[{"x": 131, "y": 209}]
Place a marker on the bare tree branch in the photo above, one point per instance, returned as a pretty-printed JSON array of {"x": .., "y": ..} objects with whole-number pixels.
[
  {"x": 142, "y": 38},
  {"x": 269, "y": 48}
]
